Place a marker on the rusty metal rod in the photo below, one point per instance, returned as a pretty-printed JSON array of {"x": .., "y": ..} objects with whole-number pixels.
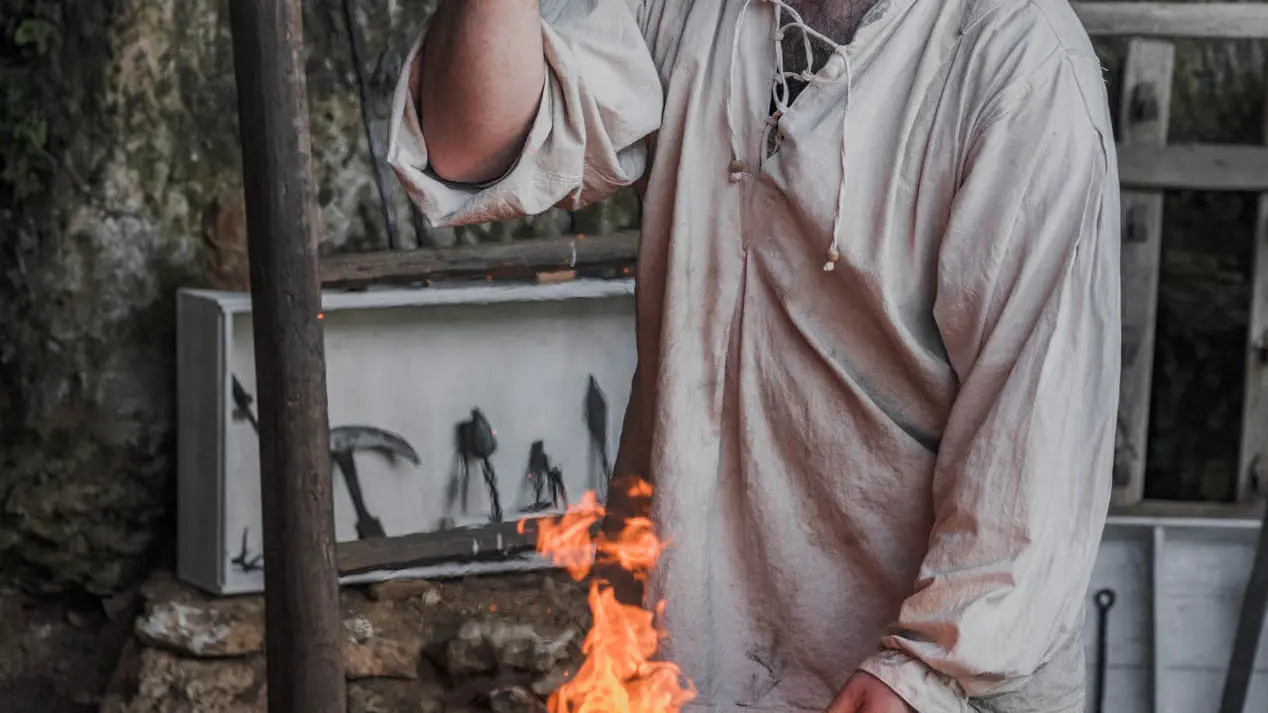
[
  {"x": 302, "y": 620},
  {"x": 1250, "y": 628}
]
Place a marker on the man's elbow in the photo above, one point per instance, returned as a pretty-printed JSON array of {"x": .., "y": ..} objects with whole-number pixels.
[
  {"x": 469, "y": 155},
  {"x": 455, "y": 164}
]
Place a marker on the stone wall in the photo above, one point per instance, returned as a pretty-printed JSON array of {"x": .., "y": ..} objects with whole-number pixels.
[{"x": 497, "y": 645}]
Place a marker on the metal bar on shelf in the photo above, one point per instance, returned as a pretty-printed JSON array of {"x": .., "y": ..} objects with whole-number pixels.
[{"x": 1250, "y": 628}]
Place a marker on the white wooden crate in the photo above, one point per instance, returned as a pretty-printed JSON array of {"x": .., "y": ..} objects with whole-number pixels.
[
  {"x": 1179, "y": 584},
  {"x": 413, "y": 362}
]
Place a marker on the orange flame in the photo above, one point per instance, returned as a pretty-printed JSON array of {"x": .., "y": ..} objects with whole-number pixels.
[{"x": 618, "y": 675}]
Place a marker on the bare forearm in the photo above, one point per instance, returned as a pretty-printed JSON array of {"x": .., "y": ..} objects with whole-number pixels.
[{"x": 480, "y": 84}]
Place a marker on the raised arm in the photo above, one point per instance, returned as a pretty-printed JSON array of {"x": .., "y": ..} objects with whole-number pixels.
[
  {"x": 481, "y": 62},
  {"x": 507, "y": 108}
]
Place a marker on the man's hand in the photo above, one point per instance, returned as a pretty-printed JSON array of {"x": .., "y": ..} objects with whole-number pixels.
[{"x": 865, "y": 693}]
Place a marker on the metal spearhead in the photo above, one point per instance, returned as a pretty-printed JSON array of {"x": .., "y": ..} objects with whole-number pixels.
[{"x": 596, "y": 412}]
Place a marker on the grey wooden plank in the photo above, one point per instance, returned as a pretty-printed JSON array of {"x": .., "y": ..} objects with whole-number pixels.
[
  {"x": 201, "y": 348},
  {"x": 1157, "y": 19},
  {"x": 1159, "y": 638},
  {"x": 1189, "y": 510},
  {"x": 1198, "y": 167},
  {"x": 1144, "y": 117}
]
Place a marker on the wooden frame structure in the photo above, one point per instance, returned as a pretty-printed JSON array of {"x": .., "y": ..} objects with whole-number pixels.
[
  {"x": 302, "y": 560},
  {"x": 1148, "y": 166}
]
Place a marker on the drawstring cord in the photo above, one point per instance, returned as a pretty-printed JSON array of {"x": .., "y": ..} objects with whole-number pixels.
[
  {"x": 736, "y": 152},
  {"x": 780, "y": 94},
  {"x": 834, "y": 248}
]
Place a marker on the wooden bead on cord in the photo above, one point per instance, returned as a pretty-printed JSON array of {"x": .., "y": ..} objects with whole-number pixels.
[{"x": 834, "y": 256}]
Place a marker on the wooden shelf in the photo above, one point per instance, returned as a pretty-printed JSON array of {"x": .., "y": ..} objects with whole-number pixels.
[{"x": 519, "y": 259}]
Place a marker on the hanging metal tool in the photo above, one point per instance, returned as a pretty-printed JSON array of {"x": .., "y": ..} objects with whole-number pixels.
[
  {"x": 242, "y": 402},
  {"x": 476, "y": 441},
  {"x": 379, "y": 164},
  {"x": 596, "y": 408},
  {"x": 245, "y": 561},
  {"x": 543, "y": 477},
  {"x": 1104, "y": 601},
  {"x": 345, "y": 443}
]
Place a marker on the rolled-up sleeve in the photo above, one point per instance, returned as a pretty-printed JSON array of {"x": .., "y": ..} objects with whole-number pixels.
[
  {"x": 602, "y": 98},
  {"x": 1028, "y": 308}
]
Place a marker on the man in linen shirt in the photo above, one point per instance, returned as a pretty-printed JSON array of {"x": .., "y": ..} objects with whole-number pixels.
[{"x": 877, "y": 317}]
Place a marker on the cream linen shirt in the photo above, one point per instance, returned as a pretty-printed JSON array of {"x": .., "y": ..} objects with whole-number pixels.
[{"x": 901, "y": 464}]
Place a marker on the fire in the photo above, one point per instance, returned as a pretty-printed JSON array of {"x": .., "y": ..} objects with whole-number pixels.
[{"x": 618, "y": 675}]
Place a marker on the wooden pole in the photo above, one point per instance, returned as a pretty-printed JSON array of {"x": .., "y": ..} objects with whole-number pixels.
[
  {"x": 1144, "y": 119},
  {"x": 302, "y": 637}
]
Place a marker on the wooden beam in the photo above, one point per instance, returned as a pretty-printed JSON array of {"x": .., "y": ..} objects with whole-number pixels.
[
  {"x": 525, "y": 258},
  {"x": 1252, "y": 469},
  {"x": 1197, "y": 167},
  {"x": 1216, "y": 20},
  {"x": 302, "y": 620},
  {"x": 1190, "y": 509},
  {"x": 1144, "y": 117},
  {"x": 421, "y": 550}
]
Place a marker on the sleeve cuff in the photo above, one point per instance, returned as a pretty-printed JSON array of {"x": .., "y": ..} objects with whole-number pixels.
[
  {"x": 924, "y": 689},
  {"x": 479, "y": 186}
]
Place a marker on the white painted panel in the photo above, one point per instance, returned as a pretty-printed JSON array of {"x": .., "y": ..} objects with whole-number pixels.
[
  {"x": 1199, "y": 588},
  {"x": 415, "y": 363},
  {"x": 1192, "y": 691}
]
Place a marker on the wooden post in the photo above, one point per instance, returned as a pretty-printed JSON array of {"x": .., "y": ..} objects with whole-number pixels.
[
  {"x": 302, "y": 627},
  {"x": 1143, "y": 120},
  {"x": 1252, "y": 468}
]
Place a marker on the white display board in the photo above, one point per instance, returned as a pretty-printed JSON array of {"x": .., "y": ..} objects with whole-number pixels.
[
  {"x": 404, "y": 368},
  {"x": 1178, "y": 585}
]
